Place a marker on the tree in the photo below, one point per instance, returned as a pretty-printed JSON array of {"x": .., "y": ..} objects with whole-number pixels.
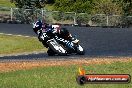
[
  {"x": 126, "y": 6},
  {"x": 28, "y": 3},
  {"x": 78, "y": 6},
  {"x": 107, "y": 7}
]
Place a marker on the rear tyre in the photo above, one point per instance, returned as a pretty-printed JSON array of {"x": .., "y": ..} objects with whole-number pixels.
[
  {"x": 50, "y": 52},
  {"x": 55, "y": 48}
]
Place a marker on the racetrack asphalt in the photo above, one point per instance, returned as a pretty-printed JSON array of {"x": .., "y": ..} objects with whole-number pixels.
[{"x": 96, "y": 41}]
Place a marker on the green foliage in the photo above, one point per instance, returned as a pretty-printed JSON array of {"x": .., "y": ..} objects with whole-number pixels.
[
  {"x": 107, "y": 7},
  {"x": 28, "y": 3},
  {"x": 126, "y": 6},
  {"x": 100, "y": 20},
  {"x": 5, "y": 3},
  {"x": 68, "y": 16},
  {"x": 25, "y": 16},
  {"x": 83, "y": 18},
  {"x": 63, "y": 16},
  {"x": 79, "y": 6},
  {"x": 57, "y": 16}
]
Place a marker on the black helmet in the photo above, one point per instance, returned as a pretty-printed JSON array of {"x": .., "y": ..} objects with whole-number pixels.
[{"x": 64, "y": 32}]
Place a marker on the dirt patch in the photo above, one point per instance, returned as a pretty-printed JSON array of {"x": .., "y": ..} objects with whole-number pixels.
[{"x": 19, "y": 65}]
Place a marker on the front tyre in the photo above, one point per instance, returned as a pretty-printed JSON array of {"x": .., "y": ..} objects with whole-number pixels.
[{"x": 80, "y": 50}]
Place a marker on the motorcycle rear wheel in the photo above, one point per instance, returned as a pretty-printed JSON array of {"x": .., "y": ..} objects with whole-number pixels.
[{"x": 50, "y": 52}]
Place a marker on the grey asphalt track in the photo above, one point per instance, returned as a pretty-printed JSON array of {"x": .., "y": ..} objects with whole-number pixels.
[{"x": 96, "y": 41}]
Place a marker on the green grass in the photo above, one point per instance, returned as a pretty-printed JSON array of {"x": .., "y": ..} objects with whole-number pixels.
[
  {"x": 62, "y": 76},
  {"x": 14, "y": 44},
  {"x": 6, "y": 3}
]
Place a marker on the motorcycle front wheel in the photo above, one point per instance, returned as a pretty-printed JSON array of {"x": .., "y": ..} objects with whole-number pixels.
[{"x": 80, "y": 50}]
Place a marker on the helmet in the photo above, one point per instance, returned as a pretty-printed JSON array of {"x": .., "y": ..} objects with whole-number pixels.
[
  {"x": 64, "y": 32},
  {"x": 37, "y": 24}
]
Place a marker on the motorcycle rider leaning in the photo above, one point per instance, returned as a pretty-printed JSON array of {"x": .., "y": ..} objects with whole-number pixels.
[{"x": 62, "y": 34}]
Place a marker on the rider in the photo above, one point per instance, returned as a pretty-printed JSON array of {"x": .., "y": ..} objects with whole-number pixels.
[{"x": 62, "y": 34}]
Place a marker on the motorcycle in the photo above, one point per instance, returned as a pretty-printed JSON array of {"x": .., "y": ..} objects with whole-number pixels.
[{"x": 58, "y": 48}]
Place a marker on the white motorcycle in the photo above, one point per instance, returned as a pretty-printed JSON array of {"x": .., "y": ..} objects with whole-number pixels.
[{"x": 57, "y": 48}]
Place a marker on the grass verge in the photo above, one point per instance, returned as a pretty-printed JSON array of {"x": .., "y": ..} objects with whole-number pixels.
[
  {"x": 6, "y": 3},
  {"x": 15, "y": 44},
  {"x": 63, "y": 76}
]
